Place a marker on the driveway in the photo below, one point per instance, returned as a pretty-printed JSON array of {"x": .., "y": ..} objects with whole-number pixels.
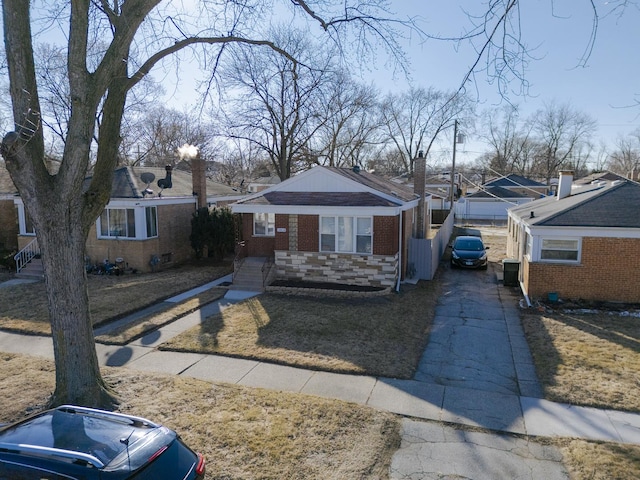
[{"x": 478, "y": 352}]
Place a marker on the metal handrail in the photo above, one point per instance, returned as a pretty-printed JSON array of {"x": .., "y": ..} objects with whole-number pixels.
[
  {"x": 266, "y": 268},
  {"x": 24, "y": 256},
  {"x": 238, "y": 259}
]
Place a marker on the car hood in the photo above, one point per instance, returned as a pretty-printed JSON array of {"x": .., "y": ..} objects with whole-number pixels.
[{"x": 469, "y": 254}]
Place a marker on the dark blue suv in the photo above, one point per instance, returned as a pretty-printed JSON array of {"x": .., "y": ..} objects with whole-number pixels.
[{"x": 84, "y": 443}]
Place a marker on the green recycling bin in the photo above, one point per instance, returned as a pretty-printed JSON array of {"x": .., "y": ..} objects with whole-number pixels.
[{"x": 510, "y": 269}]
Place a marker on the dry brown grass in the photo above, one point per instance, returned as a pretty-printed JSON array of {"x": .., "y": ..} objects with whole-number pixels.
[
  {"x": 23, "y": 308},
  {"x": 377, "y": 336},
  {"x": 587, "y": 460},
  {"x": 587, "y": 359},
  {"x": 152, "y": 321},
  {"x": 244, "y": 433}
]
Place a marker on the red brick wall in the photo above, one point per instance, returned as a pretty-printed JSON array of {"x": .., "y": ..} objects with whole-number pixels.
[
  {"x": 255, "y": 246},
  {"x": 609, "y": 271},
  {"x": 308, "y": 233},
  {"x": 385, "y": 235},
  {"x": 8, "y": 225}
]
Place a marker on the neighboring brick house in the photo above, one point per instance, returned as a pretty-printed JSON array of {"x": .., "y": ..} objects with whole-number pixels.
[
  {"x": 332, "y": 225},
  {"x": 496, "y": 196},
  {"x": 145, "y": 226},
  {"x": 583, "y": 243},
  {"x": 8, "y": 215}
]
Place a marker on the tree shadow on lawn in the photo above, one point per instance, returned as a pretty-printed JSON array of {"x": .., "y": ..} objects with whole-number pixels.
[
  {"x": 581, "y": 358},
  {"x": 381, "y": 336}
]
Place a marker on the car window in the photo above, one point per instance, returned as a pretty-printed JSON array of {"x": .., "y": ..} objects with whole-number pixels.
[{"x": 471, "y": 245}]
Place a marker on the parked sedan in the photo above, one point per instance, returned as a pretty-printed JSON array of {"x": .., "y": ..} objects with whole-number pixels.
[
  {"x": 72, "y": 442},
  {"x": 468, "y": 252}
]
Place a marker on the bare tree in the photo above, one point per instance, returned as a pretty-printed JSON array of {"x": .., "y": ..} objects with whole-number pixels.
[
  {"x": 509, "y": 141},
  {"x": 414, "y": 119},
  {"x": 625, "y": 157},
  {"x": 351, "y": 125},
  {"x": 277, "y": 101},
  {"x": 137, "y": 36},
  {"x": 560, "y": 132}
]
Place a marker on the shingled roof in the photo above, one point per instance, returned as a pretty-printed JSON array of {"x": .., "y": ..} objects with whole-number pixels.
[
  {"x": 333, "y": 187},
  {"x": 613, "y": 205},
  {"x": 512, "y": 181},
  {"x": 127, "y": 183}
]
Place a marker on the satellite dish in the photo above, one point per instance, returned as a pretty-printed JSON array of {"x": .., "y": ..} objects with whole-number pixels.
[{"x": 147, "y": 177}]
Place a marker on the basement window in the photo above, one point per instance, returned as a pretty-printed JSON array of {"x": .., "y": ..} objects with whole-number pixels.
[{"x": 560, "y": 250}]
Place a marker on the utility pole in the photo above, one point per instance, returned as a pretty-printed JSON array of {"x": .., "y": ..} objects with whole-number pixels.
[{"x": 453, "y": 163}]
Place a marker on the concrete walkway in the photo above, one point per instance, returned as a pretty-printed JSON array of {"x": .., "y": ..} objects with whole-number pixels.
[{"x": 476, "y": 371}]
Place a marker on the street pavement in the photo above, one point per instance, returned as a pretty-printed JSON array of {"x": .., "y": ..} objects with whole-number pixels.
[{"x": 476, "y": 371}]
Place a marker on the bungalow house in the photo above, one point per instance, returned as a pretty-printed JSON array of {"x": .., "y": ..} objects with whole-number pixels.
[
  {"x": 147, "y": 223},
  {"x": 332, "y": 225},
  {"x": 583, "y": 243}
]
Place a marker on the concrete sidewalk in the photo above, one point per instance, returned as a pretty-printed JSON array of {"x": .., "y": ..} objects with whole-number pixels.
[
  {"x": 476, "y": 371},
  {"x": 420, "y": 398}
]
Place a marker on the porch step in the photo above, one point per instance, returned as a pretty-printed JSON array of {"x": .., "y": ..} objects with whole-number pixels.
[
  {"x": 32, "y": 270},
  {"x": 249, "y": 276}
]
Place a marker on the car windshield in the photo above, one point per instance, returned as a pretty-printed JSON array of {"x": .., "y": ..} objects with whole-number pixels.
[{"x": 469, "y": 244}]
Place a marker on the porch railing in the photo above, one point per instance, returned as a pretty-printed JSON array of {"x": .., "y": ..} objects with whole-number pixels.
[
  {"x": 266, "y": 269},
  {"x": 24, "y": 256},
  {"x": 238, "y": 259}
]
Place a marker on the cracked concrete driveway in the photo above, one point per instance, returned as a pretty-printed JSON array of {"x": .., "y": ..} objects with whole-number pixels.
[
  {"x": 437, "y": 451},
  {"x": 478, "y": 352}
]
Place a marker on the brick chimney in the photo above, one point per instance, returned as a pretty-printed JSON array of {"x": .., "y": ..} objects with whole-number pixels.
[
  {"x": 419, "y": 180},
  {"x": 564, "y": 183},
  {"x": 199, "y": 179}
]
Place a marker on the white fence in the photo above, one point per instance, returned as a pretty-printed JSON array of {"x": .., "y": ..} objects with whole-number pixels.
[{"x": 425, "y": 253}]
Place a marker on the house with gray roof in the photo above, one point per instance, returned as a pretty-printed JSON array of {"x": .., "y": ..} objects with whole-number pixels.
[
  {"x": 147, "y": 222},
  {"x": 495, "y": 197},
  {"x": 330, "y": 225},
  {"x": 583, "y": 243}
]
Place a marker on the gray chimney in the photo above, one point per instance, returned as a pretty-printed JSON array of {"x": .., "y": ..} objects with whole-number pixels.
[{"x": 564, "y": 183}]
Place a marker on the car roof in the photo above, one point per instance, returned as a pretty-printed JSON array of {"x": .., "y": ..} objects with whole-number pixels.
[{"x": 77, "y": 434}]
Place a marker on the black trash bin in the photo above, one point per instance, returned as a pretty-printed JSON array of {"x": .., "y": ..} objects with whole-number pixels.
[{"x": 510, "y": 268}]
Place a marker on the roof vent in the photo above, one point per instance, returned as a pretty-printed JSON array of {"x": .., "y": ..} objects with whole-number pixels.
[
  {"x": 532, "y": 215},
  {"x": 356, "y": 169}
]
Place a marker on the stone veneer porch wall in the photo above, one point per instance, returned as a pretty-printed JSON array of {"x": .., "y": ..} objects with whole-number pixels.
[{"x": 373, "y": 270}]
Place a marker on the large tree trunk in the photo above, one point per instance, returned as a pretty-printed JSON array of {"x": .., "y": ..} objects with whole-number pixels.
[{"x": 78, "y": 378}]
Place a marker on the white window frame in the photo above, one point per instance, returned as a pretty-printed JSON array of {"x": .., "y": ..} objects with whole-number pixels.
[
  {"x": 111, "y": 232},
  {"x": 140, "y": 223},
  {"x": 559, "y": 248},
  {"x": 339, "y": 239},
  {"x": 267, "y": 221},
  {"x": 151, "y": 213}
]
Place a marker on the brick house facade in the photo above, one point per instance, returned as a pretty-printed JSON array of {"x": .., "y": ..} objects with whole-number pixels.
[
  {"x": 153, "y": 224},
  {"x": 301, "y": 204},
  {"x": 583, "y": 244}
]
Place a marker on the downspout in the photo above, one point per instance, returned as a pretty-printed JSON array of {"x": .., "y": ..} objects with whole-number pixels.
[{"x": 399, "y": 253}]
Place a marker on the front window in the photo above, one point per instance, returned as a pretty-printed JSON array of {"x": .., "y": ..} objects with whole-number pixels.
[
  {"x": 264, "y": 224},
  {"x": 118, "y": 222},
  {"x": 346, "y": 234},
  {"x": 557, "y": 249}
]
